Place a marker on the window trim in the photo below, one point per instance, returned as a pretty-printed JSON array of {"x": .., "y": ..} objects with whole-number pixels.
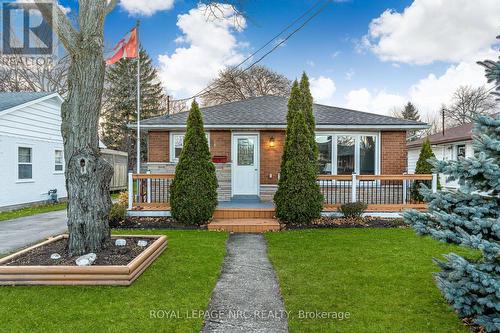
[
  {"x": 57, "y": 172},
  {"x": 171, "y": 145},
  {"x": 24, "y": 180},
  {"x": 357, "y": 137}
]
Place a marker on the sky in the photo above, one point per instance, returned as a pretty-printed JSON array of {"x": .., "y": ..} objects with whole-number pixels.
[{"x": 367, "y": 55}]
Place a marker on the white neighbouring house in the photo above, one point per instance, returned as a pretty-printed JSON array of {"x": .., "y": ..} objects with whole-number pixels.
[
  {"x": 31, "y": 148},
  {"x": 455, "y": 142}
]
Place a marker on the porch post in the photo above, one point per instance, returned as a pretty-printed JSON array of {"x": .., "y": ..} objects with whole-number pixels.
[
  {"x": 434, "y": 182},
  {"x": 149, "y": 187},
  {"x": 353, "y": 188},
  {"x": 130, "y": 190},
  {"x": 404, "y": 190}
]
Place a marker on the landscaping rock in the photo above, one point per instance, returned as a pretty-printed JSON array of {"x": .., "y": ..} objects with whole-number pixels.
[
  {"x": 142, "y": 243},
  {"x": 120, "y": 242},
  {"x": 86, "y": 260},
  {"x": 55, "y": 256}
]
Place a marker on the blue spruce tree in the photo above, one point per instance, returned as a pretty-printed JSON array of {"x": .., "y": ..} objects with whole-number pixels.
[{"x": 469, "y": 216}]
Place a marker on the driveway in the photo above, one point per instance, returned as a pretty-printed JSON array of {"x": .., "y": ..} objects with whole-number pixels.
[{"x": 24, "y": 231}]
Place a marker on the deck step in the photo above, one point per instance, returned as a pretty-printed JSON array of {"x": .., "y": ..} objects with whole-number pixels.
[
  {"x": 245, "y": 225},
  {"x": 244, "y": 213}
]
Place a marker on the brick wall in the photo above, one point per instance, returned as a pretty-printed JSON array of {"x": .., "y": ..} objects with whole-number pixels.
[
  {"x": 270, "y": 157},
  {"x": 158, "y": 149},
  {"x": 220, "y": 143},
  {"x": 393, "y": 152}
]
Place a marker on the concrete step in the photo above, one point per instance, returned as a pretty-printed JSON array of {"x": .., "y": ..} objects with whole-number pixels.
[{"x": 245, "y": 225}]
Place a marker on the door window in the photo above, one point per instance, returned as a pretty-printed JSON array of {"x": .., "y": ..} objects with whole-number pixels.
[{"x": 245, "y": 152}]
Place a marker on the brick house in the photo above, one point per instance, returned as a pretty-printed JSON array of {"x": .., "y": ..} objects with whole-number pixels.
[{"x": 246, "y": 141}]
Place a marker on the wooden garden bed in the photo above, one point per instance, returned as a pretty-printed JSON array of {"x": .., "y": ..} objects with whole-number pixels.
[{"x": 77, "y": 275}]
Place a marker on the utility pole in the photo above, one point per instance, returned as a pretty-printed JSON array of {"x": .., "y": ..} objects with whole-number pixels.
[
  {"x": 168, "y": 105},
  {"x": 442, "y": 118}
]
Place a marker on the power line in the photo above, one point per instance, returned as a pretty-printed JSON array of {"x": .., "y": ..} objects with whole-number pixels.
[{"x": 206, "y": 89}]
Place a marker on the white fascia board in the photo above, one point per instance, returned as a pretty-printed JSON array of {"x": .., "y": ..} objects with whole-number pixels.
[
  {"x": 41, "y": 99},
  {"x": 260, "y": 127}
]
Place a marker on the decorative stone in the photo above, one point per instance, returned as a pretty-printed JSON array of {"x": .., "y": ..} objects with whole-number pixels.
[
  {"x": 120, "y": 242},
  {"x": 55, "y": 256},
  {"x": 86, "y": 260},
  {"x": 142, "y": 243}
]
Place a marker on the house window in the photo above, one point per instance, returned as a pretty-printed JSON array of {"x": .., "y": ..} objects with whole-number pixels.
[
  {"x": 325, "y": 154},
  {"x": 177, "y": 143},
  {"x": 345, "y": 154},
  {"x": 24, "y": 165},
  {"x": 460, "y": 151},
  {"x": 367, "y": 155},
  {"x": 58, "y": 160}
]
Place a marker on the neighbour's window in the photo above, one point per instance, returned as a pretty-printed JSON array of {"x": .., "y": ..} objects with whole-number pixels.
[
  {"x": 58, "y": 160},
  {"x": 25, "y": 165},
  {"x": 345, "y": 155},
  {"x": 460, "y": 151},
  {"x": 324, "y": 154},
  {"x": 367, "y": 155}
]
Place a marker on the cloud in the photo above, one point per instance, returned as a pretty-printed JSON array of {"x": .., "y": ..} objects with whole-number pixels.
[
  {"x": 349, "y": 74},
  {"x": 431, "y": 30},
  {"x": 322, "y": 89},
  {"x": 380, "y": 102},
  {"x": 211, "y": 46},
  {"x": 310, "y": 63},
  {"x": 145, "y": 7},
  {"x": 428, "y": 93}
]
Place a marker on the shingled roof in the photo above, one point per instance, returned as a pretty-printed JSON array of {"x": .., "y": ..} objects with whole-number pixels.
[
  {"x": 270, "y": 112},
  {"x": 454, "y": 134}
]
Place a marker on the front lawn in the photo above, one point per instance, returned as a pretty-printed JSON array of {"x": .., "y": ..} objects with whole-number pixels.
[
  {"x": 28, "y": 211},
  {"x": 180, "y": 280},
  {"x": 382, "y": 277}
]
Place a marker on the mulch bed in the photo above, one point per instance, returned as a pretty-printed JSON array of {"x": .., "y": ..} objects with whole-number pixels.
[
  {"x": 155, "y": 223},
  {"x": 342, "y": 222},
  {"x": 110, "y": 255}
]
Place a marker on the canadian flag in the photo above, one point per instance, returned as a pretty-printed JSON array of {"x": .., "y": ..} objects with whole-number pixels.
[{"x": 125, "y": 48}]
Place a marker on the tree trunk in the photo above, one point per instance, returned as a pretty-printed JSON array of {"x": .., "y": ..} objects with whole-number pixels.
[{"x": 88, "y": 175}]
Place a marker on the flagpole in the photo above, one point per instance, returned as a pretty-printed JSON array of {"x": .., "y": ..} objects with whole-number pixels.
[{"x": 138, "y": 156}]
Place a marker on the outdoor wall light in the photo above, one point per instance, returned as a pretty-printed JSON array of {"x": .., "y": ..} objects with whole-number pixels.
[{"x": 271, "y": 142}]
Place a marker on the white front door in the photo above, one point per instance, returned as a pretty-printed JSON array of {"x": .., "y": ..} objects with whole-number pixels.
[{"x": 245, "y": 164}]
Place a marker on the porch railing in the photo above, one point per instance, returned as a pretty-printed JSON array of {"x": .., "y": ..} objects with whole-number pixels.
[
  {"x": 149, "y": 191},
  {"x": 381, "y": 192}
]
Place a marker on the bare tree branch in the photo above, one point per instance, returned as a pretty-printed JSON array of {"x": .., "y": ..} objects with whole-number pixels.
[
  {"x": 60, "y": 23},
  {"x": 111, "y": 5},
  {"x": 468, "y": 102}
]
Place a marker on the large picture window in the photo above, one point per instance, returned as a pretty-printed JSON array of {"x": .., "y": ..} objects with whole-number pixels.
[
  {"x": 325, "y": 153},
  {"x": 25, "y": 164},
  {"x": 344, "y": 154}
]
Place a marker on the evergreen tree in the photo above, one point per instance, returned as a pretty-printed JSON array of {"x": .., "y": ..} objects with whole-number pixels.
[
  {"x": 410, "y": 112},
  {"x": 307, "y": 108},
  {"x": 298, "y": 198},
  {"x": 120, "y": 103},
  {"x": 423, "y": 166},
  {"x": 194, "y": 188}
]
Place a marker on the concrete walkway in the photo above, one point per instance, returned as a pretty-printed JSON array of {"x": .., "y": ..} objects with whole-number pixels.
[
  {"x": 24, "y": 231},
  {"x": 247, "y": 296}
]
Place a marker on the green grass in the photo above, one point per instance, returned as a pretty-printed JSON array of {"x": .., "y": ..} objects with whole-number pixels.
[
  {"x": 181, "y": 279},
  {"x": 28, "y": 211},
  {"x": 382, "y": 277}
]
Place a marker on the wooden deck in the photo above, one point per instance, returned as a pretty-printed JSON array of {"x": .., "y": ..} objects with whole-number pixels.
[{"x": 245, "y": 225}]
